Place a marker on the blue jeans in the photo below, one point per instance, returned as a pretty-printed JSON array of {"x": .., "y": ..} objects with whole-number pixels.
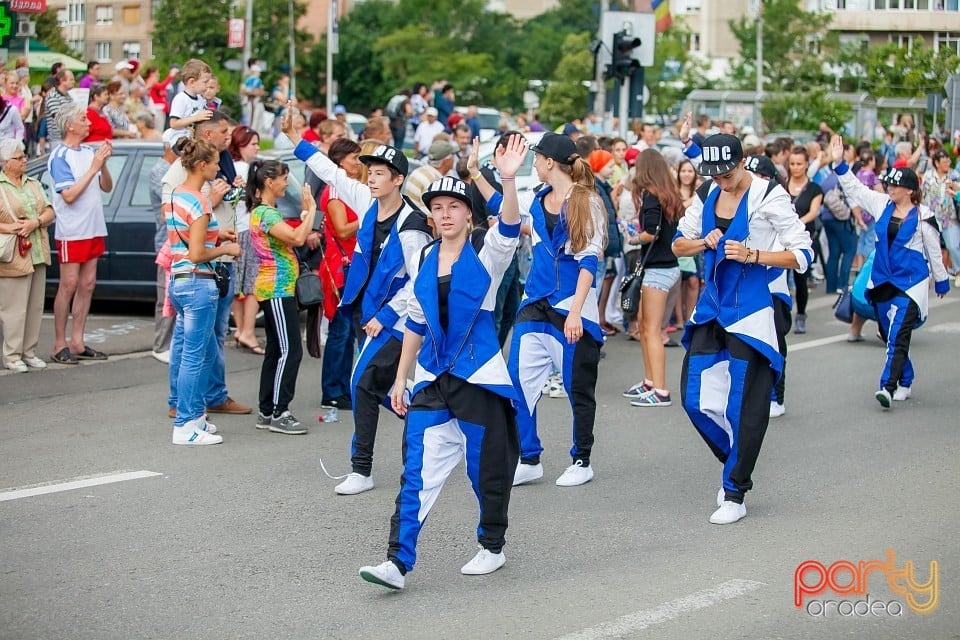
[
  {"x": 214, "y": 374},
  {"x": 842, "y": 241},
  {"x": 951, "y": 238},
  {"x": 867, "y": 240},
  {"x": 337, "y": 358},
  {"x": 191, "y": 352}
]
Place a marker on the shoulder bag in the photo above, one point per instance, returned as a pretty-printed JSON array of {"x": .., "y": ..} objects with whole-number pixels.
[
  {"x": 309, "y": 290},
  {"x": 8, "y": 241},
  {"x": 632, "y": 286}
]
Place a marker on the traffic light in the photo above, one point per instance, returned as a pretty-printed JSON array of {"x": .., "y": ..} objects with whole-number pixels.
[
  {"x": 7, "y": 22},
  {"x": 623, "y": 63}
]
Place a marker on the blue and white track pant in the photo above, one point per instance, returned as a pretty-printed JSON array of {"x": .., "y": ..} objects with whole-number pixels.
[
  {"x": 725, "y": 386},
  {"x": 449, "y": 421},
  {"x": 897, "y": 318},
  {"x": 538, "y": 348}
]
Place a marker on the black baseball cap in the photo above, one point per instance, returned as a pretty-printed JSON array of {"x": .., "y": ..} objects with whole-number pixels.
[
  {"x": 446, "y": 186},
  {"x": 902, "y": 177},
  {"x": 762, "y": 166},
  {"x": 390, "y": 156},
  {"x": 557, "y": 147},
  {"x": 721, "y": 153}
]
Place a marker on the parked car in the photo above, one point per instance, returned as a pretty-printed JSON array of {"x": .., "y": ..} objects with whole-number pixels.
[
  {"x": 526, "y": 176},
  {"x": 127, "y": 270},
  {"x": 489, "y": 119}
]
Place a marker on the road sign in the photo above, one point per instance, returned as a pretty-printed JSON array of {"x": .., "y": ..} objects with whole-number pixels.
[
  {"x": 28, "y": 6},
  {"x": 236, "y": 33}
]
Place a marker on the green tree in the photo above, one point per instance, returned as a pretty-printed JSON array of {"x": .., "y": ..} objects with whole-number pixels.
[
  {"x": 50, "y": 33},
  {"x": 674, "y": 72},
  {"x": 891, "y": 70},
  {"x": 186, "y": 29},
  {"x": 805, "y": 111},
  {"x": 566, "y": 96},
  {"x": 795, "y": 46}
]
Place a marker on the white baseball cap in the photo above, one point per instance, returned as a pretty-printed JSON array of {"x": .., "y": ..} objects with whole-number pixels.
[{"x": 123, "y": 64}]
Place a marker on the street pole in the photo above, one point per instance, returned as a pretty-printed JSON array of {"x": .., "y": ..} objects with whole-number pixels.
[
  {"x": 247, "y": 38},
  {"x": 600, "y": 95},
  {"x": 333, "y": 46},
  {"x": 293, "y": 50},
  {"x": 759, "y": 90},
  {"x": 625, "y": 89}
]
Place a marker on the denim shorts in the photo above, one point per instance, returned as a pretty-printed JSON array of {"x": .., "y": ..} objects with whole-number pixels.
[
  {"x": 867, "y": 239},
  {"x": 662, "y": 279}
]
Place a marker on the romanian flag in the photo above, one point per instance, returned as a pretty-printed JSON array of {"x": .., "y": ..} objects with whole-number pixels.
[{"x": 661, "y": 11}]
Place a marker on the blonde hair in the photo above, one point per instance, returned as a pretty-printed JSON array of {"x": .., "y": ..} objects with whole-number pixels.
[
  {"x": 580, "y": 221},
  {"x": 367, "y": 147}
]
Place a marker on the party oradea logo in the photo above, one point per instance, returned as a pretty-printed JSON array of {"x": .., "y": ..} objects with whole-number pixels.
[{"x": 814, "y": 583}]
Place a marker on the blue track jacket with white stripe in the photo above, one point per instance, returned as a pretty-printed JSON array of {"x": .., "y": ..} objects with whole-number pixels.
[
  {"x": 389, "y": 286},
  {"x": 469, "y": 348},
  {"x": 555, "y": 268},
  {"x": 737, "y": 295}
]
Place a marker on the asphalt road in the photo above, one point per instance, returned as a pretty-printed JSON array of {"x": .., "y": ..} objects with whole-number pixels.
[{"x": 248, "y": 540}]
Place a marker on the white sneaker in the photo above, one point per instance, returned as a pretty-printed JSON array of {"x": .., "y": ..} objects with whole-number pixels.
[
  {"x": 901, "y": 394},
  {"x": 192, "y": 433},
  {"x": 575, "y": 475},
  {"x": 162, "y": 356},
  {"x": 35, "y": 363},
  {"x": 556, "y": 388},
  {"x": 386, "y": 575},
  {"x": 354, "y": 484},
  {"x": 776, "y": 409},
  {"x": 721, "y": 496},
  {"x": 527, "y": 473},
  {"x": 483, "y": 563},
  {"x": 728, "y": 513},
  {"x": 16, "y": 365},
  {"x": 883, "y": 397},
  {"x": 208, "y": 426}
]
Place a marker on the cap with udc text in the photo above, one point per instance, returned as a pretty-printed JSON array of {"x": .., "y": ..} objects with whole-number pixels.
[
  {"x": 902, "y": 177},
  {"x": 721, "y": 153},
  {"x": 762, "y": 166},
  {"x": 446, "y": 186},
  {"x": 390, "y": 156}
]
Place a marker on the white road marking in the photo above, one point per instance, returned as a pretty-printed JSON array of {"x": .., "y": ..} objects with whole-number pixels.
[
  {"x": 810, "y": 344},
  {"x": 29, "y": 492},
  {"x": 626, "y": 625}
]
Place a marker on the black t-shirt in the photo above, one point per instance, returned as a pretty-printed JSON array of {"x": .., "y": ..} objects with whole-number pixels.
[
  {"x": 723, "y": 223},
  {"x": 803, "y": 200},
  {"x": 443, "y": 295},
  {"x": 660, "y": 251}
]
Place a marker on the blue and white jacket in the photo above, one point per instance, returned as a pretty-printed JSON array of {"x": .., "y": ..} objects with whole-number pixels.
[
  {"x": 389, "y": 286},
  {"x": 468, "y": 348},
  {"x": 555, "y": 267},
  {"x": 738, "y": 296},
  {"x": 902, "y": 264}
]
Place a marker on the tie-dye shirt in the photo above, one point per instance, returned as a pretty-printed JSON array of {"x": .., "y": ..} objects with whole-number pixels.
[
  {"x": 188, "y": 206},
  {"x": 277, "y": 276}
]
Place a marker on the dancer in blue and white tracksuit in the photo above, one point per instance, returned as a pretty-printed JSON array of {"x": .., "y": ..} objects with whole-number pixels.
[
  {"x": 461, "y": 405},
  {"x": 908, "y": 236},
  {"x": 558, "y": 325},
  {"x": 378, "y": 287},
  {"x": 733, "y": 355}
]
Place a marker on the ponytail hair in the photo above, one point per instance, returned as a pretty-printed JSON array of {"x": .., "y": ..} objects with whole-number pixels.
[
  {"x": 260, "y": 170},
  {"x": 193, "y": 151},
  {"x": 583, "y": 198}
]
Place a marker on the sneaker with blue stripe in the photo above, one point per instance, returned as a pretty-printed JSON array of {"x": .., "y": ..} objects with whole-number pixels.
[
  {"x": 637, "y": 390},
  {"x": 652, "y": 399}
]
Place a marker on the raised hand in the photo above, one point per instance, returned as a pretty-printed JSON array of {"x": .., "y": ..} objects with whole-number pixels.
[
  {"x": 509, "y": 158},
  {"x": 683, "y": 131},
  {"x": 309, "y": 204},
  {"x": 836, "y": 148},
  {"x": 473, "y": 160}
]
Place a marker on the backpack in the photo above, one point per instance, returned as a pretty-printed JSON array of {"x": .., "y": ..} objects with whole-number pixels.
[{"x": 836, "y": 204}]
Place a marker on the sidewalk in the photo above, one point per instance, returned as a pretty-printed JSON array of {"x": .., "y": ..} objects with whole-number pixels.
[{"x": 115, "y": 335}]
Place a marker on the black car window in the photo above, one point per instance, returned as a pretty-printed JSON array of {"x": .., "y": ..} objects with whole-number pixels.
[
  {"x": 141, "y": 190},
  {"x": 115, "y": 165}
]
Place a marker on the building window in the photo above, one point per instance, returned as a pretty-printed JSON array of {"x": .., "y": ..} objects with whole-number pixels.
[
  {"x": 813, "y": 45},
  {"x": 949, "y": 41},
  {"x": 855, "y": 40},
  {"x": 131, "y": 50},
  {"x": 62, "y": 17},
  {"x": 904, "y": 41},
  {"x": 693, "y": 42},
  {"x": 104, "y": 15},
  {"x": 131, "y": 14},
  {"x": 103, "y": 52},
  {"x": 76, "y": 13},
  {"x": 76, "y": 45}
]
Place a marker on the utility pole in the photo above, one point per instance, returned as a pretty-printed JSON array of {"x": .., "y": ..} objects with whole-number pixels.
[
  {"x": 333, "y": 46},
  {"x": 247, "y": 38},
  {"x": 759, "y": 90},
  {"x": 600, "y": 94},
  {"x": 293, "y": 49}
]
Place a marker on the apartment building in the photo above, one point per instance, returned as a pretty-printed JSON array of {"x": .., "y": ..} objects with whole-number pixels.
[
  {"x": 934, "y": 23},
  {"x": 107, "y": 31}
]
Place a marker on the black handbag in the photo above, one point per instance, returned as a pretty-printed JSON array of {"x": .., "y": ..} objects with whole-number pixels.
[
  {"x": 221, "y": 275},
  {"x": 843, "y": 307},
  {"x": 632, "y": 286},
  {"x": 309, "y": 289}
]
